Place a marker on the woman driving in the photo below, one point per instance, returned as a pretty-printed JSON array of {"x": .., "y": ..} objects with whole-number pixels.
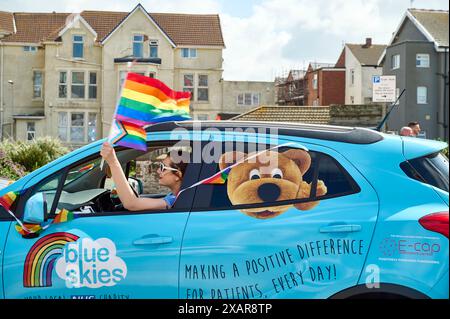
[{"x": 170, "y": 175}]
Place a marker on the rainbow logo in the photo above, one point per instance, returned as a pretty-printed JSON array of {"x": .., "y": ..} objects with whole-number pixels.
[{"x": 41, "y": 259}]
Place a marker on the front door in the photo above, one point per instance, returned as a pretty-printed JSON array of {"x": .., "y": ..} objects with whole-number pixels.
[
  {"x": 107, "y": 255},
  {"x": 242, "y": 242}
]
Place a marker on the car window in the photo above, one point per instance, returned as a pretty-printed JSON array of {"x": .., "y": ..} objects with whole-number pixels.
[
  {"x": 432, "y": 169},
  {"x": 89, "y": 189},
  {"x": 289, "y": 180}
]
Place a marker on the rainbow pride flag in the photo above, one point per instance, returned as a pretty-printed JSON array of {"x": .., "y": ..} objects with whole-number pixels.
[
  {"x": 64, "y": 216},
  {"x": 128, "y": 135},
  {"x": 218, "y": 178},
  {"x": 147, "y": 101},
  {"x": 8, "y": 199}
]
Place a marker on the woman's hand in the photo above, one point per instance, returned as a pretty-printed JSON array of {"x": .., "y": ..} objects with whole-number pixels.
[{"x": 108, "y": 153}]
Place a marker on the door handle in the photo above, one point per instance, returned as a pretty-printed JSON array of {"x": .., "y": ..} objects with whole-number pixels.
[
  {"x": 149, "y": 240},
  {"x": 344, "y": 228}
]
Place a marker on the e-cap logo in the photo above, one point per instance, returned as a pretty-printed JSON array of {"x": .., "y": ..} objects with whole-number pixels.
[{"x": 91, "y": 264}]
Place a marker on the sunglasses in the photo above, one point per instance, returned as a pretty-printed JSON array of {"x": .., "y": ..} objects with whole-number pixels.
[{"x": 162, "y": 167}]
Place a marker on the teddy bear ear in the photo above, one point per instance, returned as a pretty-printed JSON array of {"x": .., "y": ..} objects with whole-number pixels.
[
  {"x": 230, "y": 158},
  {"x": 300, "y": 157}
]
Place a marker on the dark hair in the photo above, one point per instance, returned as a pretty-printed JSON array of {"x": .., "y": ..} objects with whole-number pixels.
[
  {"x": 180, "y": 161},
  {"x": 410, "y": 124}
]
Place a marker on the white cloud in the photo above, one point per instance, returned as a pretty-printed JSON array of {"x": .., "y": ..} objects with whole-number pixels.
[{"x": 277, "y": 34}]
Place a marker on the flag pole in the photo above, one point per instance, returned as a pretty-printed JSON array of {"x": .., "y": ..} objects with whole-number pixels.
[{"x": 129, "y": 66}]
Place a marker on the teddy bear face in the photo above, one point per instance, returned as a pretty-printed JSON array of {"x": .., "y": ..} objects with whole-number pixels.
[{"x": 268, "y": 177}]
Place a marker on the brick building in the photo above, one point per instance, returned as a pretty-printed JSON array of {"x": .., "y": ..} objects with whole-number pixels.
[{"x": 325, "y": 84}]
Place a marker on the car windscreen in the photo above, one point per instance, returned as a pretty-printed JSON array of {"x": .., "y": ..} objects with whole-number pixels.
[{"x": 431, "y": 169}]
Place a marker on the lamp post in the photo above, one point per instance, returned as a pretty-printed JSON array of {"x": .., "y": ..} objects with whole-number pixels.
[{"x": 11, "y": 82}]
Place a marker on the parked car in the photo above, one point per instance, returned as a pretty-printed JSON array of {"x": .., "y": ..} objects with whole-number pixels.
[{"x": 332, "y": 212}]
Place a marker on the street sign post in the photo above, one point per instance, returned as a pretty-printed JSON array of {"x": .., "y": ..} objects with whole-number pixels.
[{"x": 383, "y": 88}]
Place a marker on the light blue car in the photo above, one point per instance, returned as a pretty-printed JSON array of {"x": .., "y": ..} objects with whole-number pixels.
[{"x": 332, "y": 212}]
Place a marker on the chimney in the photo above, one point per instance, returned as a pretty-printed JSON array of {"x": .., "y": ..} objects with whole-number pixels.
[{"x": 368, "y": 43}]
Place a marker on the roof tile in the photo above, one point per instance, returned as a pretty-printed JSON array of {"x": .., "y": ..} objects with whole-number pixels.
[{"x": 182, "y": 29}]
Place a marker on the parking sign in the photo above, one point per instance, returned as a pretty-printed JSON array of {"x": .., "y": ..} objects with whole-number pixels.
[{"x": 383, "y": 88}]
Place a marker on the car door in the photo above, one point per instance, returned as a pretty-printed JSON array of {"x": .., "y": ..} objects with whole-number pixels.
[
  {"x": 5, "y": 222},
  {"x": 312, "y": 252},
  {"x": 105, "y": 255}
]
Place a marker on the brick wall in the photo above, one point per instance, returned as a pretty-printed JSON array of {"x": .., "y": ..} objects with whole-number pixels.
[{"x": 332, "y": 87}]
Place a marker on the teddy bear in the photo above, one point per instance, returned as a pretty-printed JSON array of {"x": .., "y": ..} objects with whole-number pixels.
[{"x": 269, "y": 176}]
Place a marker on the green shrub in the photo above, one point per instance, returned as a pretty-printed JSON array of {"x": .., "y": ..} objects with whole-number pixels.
[
  {"x": 31, "y": 155},
  {"x": 9, "y": 169}
]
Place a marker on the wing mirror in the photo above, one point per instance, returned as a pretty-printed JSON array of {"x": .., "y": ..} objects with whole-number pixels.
[
  {"x": 35, "y": 209},
  {"x": 136, "y": 184}
]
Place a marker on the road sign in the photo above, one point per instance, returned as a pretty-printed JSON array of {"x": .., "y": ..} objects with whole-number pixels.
[{"x": 383, "y": 88}]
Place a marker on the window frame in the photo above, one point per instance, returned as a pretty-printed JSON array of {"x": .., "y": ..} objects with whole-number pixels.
[
  {"x": 204, "y": 197},
  {"x": 421, "y": 60},
  {"x": 153, "y": 44},
  {"x": 395, "y": 58},
  {"x": 315, "y": 81},
  {"x": 134, "y": 41},
  {"x": 92, "y": 85},
  {"x": 83, "y": 85},
  {"x": 77, "y": 43},
  {"x": 41, "y": 86},
  {"x": 189, "y": 54},
  {"x": 33, "y": 132},
  {"x": 417, "y": 95},
  {"x": 189, "y": 88},
  {"x": 200, "y": 87}
]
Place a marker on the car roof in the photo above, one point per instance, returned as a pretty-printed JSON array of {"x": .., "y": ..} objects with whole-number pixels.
[{"x": 353, "y": 135}]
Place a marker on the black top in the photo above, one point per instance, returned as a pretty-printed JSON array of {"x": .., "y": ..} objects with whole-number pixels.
[{"x": 353, "y": 135}]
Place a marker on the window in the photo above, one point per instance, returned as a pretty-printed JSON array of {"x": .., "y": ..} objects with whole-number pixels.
[
  {"x": 202, "y": 90},
  {"x": 248, "y": 99},
  {"x": 315, "y": 81},
  {"x": 255, "y": 99},
  {"x": 62, "y": 126},
  {"x": 37, "y": 84},
  {"x": 92, "y": 127},
  {"x": 77, "y": 128},
  {"x": 62, "y": 87},
  {"x": 31, "y": 131},
  {"x": 77, "y": 87},
  {"x": 153, "y": 49},
  {"x": 422, "y": 60},
  {"x": 92, "y": 85},
  {"x": 29, "y": 48},
  {"x": 430, "y": 169},
  {"x": 395, "y": 61},
  {"x": 96, "y": 190},
  {"x": 188, "y": 84},
  {"x": 77, "y": 51},
  {"x": 352, "y": 76},
  {"x": 138, "y": 45},
  {"x": 188, "y": 53},
  {"x": 421, "y": 95},
  {"x": 240, "y": 99},
  {"x": 336, "y": 179}
]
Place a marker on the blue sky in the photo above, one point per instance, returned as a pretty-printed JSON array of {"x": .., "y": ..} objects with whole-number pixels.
[{"x": 265, "y": 38}]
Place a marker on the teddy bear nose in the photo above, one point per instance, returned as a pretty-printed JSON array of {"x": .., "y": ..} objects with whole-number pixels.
[{"x": 269, "y": 192}]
